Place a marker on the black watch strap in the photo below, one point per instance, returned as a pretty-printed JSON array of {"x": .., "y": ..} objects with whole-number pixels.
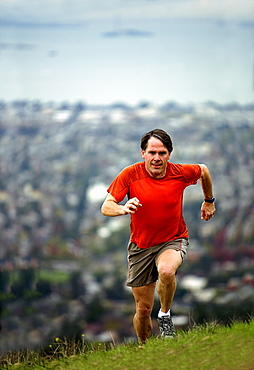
[{"x": 210, "y": 200}]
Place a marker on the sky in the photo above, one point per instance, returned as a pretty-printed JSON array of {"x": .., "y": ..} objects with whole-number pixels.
[{"x": 102, "y": 52}]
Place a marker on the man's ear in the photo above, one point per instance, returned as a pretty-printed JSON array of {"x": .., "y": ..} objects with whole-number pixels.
[{"x": 142, "y": 153}]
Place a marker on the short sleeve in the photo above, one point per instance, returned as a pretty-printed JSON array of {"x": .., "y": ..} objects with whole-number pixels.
[
  {"x": 119, "y": 188},
  {"x": 192, "y": 173}
]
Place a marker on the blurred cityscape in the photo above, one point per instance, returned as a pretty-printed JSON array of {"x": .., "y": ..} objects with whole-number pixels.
[{"x": 63, "y": 264}]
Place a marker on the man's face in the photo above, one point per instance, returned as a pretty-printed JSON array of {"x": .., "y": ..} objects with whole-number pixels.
[{"x": 156, "y": 157}]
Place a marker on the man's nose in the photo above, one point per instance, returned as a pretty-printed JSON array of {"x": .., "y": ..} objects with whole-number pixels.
[{"x": 157, "y": 157}]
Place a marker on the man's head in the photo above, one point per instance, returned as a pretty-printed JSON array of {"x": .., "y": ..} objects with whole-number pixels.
[
  {"x": 156, "y": 147},
  {"x": 159, "y": 134}
]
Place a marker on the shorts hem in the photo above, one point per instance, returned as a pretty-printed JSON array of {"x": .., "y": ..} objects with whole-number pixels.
[{"x": 133, "y": 285}]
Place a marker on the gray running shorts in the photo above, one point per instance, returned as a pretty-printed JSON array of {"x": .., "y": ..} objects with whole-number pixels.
[{"x": 142, "y": 268}]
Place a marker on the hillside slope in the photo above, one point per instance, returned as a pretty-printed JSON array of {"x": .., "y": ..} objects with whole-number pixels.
[{"x": 202, "y": 348}]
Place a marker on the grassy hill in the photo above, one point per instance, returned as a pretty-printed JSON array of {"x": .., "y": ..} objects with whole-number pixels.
[{"x": 202, "y": 348}]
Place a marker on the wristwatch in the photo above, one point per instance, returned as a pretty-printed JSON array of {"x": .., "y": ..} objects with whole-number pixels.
[{"x": 210, "y": 200}]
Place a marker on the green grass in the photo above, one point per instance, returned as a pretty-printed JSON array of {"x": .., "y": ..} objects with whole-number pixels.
[{"x": 202, "y": 348}]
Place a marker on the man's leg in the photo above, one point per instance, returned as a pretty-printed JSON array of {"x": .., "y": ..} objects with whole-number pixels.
[
  {"x": 144, "y": 298},
  {"x": 167, "y": 265}
]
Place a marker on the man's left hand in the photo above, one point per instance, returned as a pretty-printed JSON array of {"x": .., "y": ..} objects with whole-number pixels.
[{"x": 207, "y": 211}]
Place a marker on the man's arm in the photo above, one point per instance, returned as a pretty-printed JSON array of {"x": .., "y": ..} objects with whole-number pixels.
[
  {"x": 207, "y": 209},
  {"x": 111, "y": 208}
]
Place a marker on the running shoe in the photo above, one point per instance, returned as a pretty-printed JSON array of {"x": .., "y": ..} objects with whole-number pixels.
[{"x": 166, "y": 326}]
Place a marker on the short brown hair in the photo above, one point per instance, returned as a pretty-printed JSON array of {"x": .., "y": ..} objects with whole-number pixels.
[{"x": 159, "y": 134}]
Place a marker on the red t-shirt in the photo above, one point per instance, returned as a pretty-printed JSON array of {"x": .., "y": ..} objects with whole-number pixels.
[{"x": 160, "y": 218}]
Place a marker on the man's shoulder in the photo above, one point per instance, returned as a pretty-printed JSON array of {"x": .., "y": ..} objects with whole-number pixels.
[
  {"x": 180, "y": 167},
  {"x": 185, "y": 170},
  {"x": 135, "y": 171},
  {"x": 135, "y": 167},
  {"x": 175, "y": 168}
]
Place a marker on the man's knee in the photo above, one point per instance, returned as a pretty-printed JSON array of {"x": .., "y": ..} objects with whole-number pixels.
[
  {"x": 144, "y": 298},
  {"x": 166, "y": 273},
  {"x": 143, "y": 310},
  {"x": 167, "y": 265}
]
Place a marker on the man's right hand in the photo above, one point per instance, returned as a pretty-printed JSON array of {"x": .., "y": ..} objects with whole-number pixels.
[{"x": 131, "y": 206}]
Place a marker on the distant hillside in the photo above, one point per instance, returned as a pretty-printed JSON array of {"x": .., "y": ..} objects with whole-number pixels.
[{"x": 64, "y": 263}]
